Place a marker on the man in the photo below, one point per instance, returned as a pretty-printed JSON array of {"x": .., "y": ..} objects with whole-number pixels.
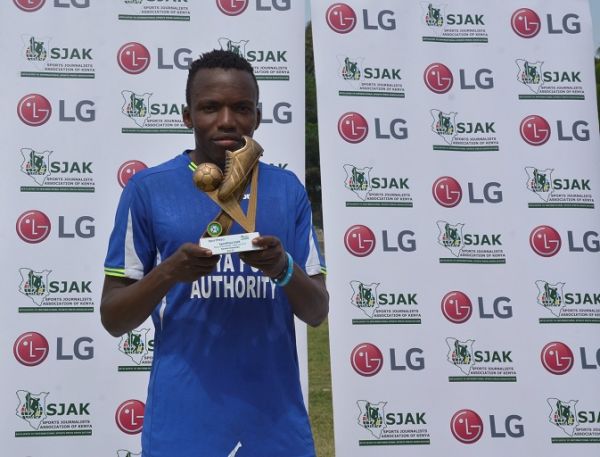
[{"x": 224, "y": 380}]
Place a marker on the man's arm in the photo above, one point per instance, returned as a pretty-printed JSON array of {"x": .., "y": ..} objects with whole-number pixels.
[
  {"x": 127, "y": 303},
  {"x": 307, "y": 294}
]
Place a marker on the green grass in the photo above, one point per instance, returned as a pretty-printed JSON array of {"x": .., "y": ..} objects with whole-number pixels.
[{"x": 319, "y": 390}]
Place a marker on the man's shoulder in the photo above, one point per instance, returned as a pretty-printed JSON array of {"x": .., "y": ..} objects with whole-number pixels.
[
  {"x": 276, "y": 173},
  {"x": 163, "y": 169}
]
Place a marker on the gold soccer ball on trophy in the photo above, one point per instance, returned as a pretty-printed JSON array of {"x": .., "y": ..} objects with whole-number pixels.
[{"x": 208, "y": 177}]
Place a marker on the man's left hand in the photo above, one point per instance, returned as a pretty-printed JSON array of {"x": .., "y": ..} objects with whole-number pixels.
[{"x": 271, "y": 259}]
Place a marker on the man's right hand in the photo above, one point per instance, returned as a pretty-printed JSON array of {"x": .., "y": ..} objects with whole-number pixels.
[{"x": 189, "y": 262}]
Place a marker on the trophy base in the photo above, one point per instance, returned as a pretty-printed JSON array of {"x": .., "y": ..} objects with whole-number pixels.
[{"x": 230, "y": 243}]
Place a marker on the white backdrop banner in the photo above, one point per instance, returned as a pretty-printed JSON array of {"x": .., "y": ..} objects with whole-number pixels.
[
  {"x": 93, "y": 92},
  {"x": 460, "y": 170}
]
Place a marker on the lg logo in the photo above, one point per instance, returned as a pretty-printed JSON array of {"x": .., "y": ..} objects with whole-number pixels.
[
  {"x": 34, "y": 110},
  {"x": 133, "y": 58},
  {"x": 237, "y": 7},
  {"x": 359, "y": 240},
  {"x": 438, "y": 78},
  {"x": 527, "y": 24},
  {"x": 29, "y": 5},
  {"x": 31, "y": 349},
  {"x": 458, "y": 308},
  {"x": 557, "y": 358},
  {"x": 447, "y": 191},
  {"x": 33, "y": 226},
  {"x": 366, "y": 359},
  {"x": 545, "y": 241},
  {"x": 128, "y": 169},
  {"x": 130, "y": 416},
  {"x": 536, "y": 131},
  {"x": 353, "y": 127},
  {"x": 341, "y": 18},
  {"x": 466, "y": 426}
]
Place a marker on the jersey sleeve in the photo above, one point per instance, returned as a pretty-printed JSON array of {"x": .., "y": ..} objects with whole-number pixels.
[
  {"x": 307, "y": 252},
  {"x": 131, "y": 248}
]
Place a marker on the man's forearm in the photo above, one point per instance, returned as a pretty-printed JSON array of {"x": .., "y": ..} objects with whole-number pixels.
[{"x": 308, "y": 297}]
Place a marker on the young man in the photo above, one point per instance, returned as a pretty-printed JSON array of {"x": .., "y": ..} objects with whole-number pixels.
[{"x": 225, "y": 379}]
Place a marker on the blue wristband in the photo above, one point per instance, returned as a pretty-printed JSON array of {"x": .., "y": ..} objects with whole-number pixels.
[{"x": 282, "y": 282}]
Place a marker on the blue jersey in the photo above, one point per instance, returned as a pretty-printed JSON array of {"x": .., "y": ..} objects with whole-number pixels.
[{"x": 225, "y": 378}]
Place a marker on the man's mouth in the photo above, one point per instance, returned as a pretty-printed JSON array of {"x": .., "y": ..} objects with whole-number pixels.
[{"x": 228, "y": 142}]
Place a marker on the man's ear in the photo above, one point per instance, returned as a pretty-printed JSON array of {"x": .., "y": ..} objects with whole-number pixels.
[
  {"x": 187, "y": 118},
  {"x": 258, "y": 118}
]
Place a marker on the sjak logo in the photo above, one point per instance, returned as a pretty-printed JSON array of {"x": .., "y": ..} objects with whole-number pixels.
[
  {"x": 237, "y": 47},
  {"x": 32, "y": 407},
  {"x": 551, "y": 296},
  {"x": 36, "y": 164},
  {"x": 358, "y": 180},
  {"x": 134, "y": 344},
  {"x": 563, "y": 414},
  {"x": 351, "y": 69},
  {"x": 364, "y": 297},
  {"x": 540, "y": 182},
  {"x": 460, "y": 354},
  {"x": 434, "y": 16},
  {"x": 36, "y": 49},
  {"x": 136, "y": 107},
  {"x": 451, "y": 237},
  {"x": 34, "y": 284},
  {"x": 126, "y": 453},
  {"x": 530, "y": 74},
  {"x": 371, "y": 417},
  {"x": 444, "y": 124}
]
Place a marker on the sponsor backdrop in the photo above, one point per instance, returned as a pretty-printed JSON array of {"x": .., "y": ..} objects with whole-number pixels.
[
  {"x": 460, "y": 171},
  {"x": 93, "y": 92}
]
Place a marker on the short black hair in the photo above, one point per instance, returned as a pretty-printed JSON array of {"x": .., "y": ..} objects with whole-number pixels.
[{"x": 217, "y": 58}]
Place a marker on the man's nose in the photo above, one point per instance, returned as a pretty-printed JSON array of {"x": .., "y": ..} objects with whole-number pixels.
[{"x": 226, "y": 118}]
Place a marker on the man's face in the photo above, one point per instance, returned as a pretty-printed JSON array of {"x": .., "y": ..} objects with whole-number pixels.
[{"x": 223, "y": 107}]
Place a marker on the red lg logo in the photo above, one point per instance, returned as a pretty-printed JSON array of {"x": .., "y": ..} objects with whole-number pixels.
[
  {"x": 31, "y": 349},
  {"x": 133, "y": 58},
  {"x": 545, "y": 241},
  {"x": 359, "y": 240},
  {"x": 29, "y": 5},
  {"x": 526, "y": 23},
  {"x": 457, "y": 307},
  {"x": 466, "y": 426},
  {"x": 447, "y": 191},
  {"x": 535, "y": 130},
  {"x": 341, "y": 18},
  {"x": 366, "y": 359},
  {"x": 128, "y": 169},
  {"x": 352, "y": 127},
  {"x": 232, "y": 7},
  {"x": 33, "y": 226},
  {"x": 130, "y": 416},
  {"x": 557, "y": 358},
  {"x": 438, "y": 78},
  {"x": 34, "y": 110}
]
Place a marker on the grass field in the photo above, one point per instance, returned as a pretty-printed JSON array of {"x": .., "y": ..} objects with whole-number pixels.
[{"x": 319, "y": 389}]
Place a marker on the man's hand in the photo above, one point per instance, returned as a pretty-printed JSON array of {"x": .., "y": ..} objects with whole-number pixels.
[
  {"x": 190, "y": 262},
  {"x": 271, "y": 259}
]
